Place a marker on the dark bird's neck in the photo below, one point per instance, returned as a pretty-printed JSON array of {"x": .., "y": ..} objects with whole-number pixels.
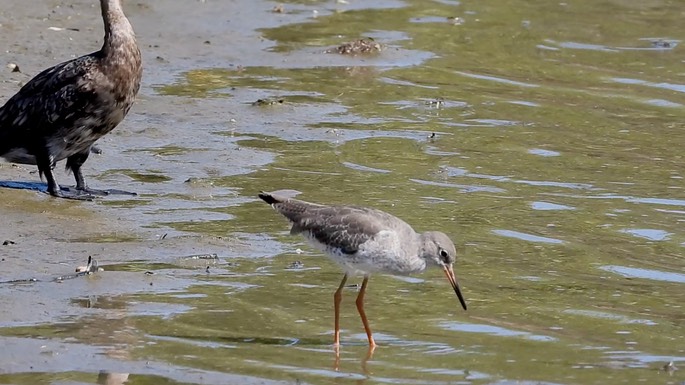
[
  {"x": 118, "y": 30},
  {"x": 121, "y": 59}
]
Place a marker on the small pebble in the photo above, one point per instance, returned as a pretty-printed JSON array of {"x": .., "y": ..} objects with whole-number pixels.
[{"x": 13, "y": 67}]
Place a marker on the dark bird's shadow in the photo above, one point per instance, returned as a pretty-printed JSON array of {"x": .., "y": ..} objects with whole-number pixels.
[
  {"x": 35, "y": 186},
  {"x": 43, "y": 187}
]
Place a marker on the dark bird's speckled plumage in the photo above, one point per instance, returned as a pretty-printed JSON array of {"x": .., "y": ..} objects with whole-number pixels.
[
  {"x": 64, "y": 110},
  {"x": 366, "y": 240}
]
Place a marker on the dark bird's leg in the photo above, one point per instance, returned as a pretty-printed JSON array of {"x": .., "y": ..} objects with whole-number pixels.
[
  {"x": 360, "y": 308},
  {"x": 337, "y": 298},
  {"x": 74, "y": 164},
  {"x": 45, "y": 165}
]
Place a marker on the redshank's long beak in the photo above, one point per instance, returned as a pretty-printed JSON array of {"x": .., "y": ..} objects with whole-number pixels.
[{"x": 453, "y": 281}]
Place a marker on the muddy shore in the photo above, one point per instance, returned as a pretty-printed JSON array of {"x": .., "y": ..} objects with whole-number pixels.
[{"x": 48, "y": 237}]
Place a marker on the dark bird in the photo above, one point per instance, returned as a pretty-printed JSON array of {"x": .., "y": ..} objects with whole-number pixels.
[
  {"x": 366, "y": 240},
  {"x": 64, "y": 110}
]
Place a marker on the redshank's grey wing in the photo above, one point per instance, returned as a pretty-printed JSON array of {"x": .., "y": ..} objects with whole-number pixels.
[
  {"x": 338, "y": 227},
  {"x": 343, "y": 228}
]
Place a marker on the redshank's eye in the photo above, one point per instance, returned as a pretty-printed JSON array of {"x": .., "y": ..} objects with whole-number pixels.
[{"x": 444, "y": 256}]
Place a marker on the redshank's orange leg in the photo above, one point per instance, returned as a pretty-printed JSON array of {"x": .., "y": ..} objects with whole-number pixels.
[
  {"x": 360, "y": 308},
  {"x": 337, "y": 297}
]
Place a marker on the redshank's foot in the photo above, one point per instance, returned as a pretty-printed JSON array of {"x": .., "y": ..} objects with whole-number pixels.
[
  {"x": 369, "y": 356},
  {"x": 336, "y": 349}
]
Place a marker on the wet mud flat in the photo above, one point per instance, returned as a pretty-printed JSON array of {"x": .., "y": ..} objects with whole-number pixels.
[{"x": 48, "y": 237}]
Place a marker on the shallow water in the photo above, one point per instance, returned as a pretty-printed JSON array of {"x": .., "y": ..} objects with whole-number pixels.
[{"x": 553, "y": 159}]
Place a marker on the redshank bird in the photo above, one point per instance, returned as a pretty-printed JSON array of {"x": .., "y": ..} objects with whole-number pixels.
[
  {"x": 60, "y": 113},
  {"x": 366, "y": 240}
]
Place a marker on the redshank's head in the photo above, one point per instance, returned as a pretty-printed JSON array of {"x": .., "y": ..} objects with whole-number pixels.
[{"x": 439, "y": 249}]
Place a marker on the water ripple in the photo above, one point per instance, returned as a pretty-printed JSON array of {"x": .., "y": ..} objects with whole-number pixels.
[
  {"x": 359, "y": 167},
  {"x": 526, "y": 237},
  {"x": 542, "y": 152},
  {"x": 497, "y": 79},
  {"x": 577, "y": 186},
  {"x": 610, "y": 316},
  {"x": 651, "y": 234},
  {"x": 524, "y": 103},
  {"x": 460, "y": 172},
  {"x": 639, "y": 359},
  {"x": 630, "y": 199},
  {"x": 462, "y": 187},
  {"x": 662, "y": 85},
  {"x": 494, "y": 331},
  {"x": 547, "y": 206},
  {"x": 663, "y": 103},
  {"x": 592, "y": 47},
  {"x": 633, "y": 272}
]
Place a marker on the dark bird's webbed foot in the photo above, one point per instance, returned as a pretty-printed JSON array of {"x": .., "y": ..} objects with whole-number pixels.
[
  {"x": 72, "y": 193},
  {"x": 74, "y": 164},
  {"x": 85, "y": 190}
]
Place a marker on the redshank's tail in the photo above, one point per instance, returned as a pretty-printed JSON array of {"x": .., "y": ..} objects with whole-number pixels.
[{"x": 268, "y": 198}]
